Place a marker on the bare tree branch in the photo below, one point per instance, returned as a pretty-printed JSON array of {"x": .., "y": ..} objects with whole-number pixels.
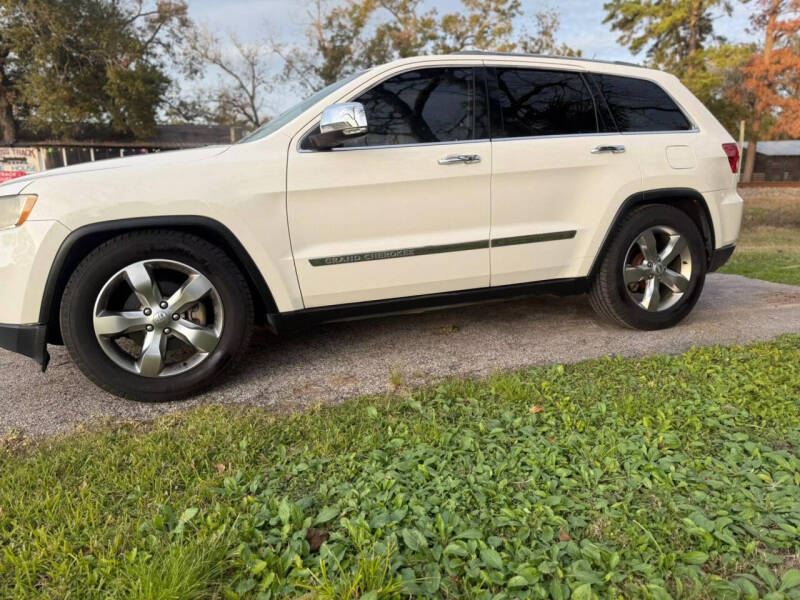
[{"x": 244, "y": 76}]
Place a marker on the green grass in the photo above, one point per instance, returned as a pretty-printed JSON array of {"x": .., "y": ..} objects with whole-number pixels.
[
  {"x": 611, "y": 478},
  {"x": 771, "y": 266},
  {"x": 769, "y": 253},
  {"x": 769, "y": 242}
]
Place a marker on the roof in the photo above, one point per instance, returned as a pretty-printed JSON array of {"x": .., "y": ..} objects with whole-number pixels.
[
  {"x": 166, "y": 136},
  {"x": 553, "y": 56},
  {"x": 778, "y": 148}
]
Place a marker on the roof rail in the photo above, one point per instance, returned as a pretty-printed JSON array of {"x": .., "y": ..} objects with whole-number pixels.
[{"x": 556, "y": 56}]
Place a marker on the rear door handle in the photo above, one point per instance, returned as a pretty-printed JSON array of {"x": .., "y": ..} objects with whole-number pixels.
[
  {"x": 608, "y": 149},
  {"x": 467, "y": 159}
]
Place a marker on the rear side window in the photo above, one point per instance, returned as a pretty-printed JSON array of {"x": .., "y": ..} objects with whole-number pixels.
[
  {"x": 640, "y": 105},
  {"x": 534, "y": 102},
  {"x": 423, "y": 106}
]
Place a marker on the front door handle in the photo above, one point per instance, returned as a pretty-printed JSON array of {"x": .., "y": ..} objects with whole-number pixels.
[
  {"x": 467, "y": 159},
  {"x": 608, "y": 149}
]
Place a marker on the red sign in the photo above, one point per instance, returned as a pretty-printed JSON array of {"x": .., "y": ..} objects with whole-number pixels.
[{"x": 8, "y": 175}]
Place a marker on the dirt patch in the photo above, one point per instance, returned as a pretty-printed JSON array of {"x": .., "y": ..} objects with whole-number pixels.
[
  {"x": 785, "y": 299},
  {"x": 773, "y": 207},
  {"x": 779, "y": 193}
]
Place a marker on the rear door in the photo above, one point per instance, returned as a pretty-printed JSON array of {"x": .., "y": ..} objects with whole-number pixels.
[{"x": 559, "y": 167}]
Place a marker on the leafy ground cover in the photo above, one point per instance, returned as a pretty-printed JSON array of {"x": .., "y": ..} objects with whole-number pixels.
[
  {"x": 658, "y": 477},
  {"x": 769, "y": 243}
]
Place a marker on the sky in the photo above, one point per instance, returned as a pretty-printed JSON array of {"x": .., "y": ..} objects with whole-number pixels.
[{"x": 581, "y": 25}]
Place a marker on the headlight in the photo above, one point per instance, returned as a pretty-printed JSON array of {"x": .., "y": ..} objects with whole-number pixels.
[{"x": 15, "y": 210}]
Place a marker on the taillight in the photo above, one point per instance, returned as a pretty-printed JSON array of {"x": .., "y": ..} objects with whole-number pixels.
[{"x": 732, "y": 151}]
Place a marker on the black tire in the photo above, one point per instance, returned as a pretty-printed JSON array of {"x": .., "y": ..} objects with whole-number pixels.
[
  {"x": 608, "y": 294},
  {"x": 91, "y": 275}
]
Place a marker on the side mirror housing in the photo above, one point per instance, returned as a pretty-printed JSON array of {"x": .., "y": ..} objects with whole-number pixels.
[{"x": 340, "y": 122}]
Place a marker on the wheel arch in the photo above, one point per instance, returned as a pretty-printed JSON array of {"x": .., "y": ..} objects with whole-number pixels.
[
  {"x": 79, "y": 243},
  {"x": 688, "y": 200}
]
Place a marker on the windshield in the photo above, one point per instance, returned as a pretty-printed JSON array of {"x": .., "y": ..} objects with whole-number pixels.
[{"x": 295, "y": 111}]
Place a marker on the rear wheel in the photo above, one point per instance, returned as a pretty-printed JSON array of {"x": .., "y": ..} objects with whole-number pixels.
[
  {"x": 156, "y": 316},
  {"x": 654, "y": 269}
]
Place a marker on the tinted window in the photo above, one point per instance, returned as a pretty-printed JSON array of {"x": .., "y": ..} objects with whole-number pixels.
[
  {"x": 424, "y": 106},
  {"x": 640, "y": 105},
  {"x": 533, "y": 102}
]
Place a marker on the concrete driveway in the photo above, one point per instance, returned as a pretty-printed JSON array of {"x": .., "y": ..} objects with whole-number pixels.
[{"x": 343, "y": 360}]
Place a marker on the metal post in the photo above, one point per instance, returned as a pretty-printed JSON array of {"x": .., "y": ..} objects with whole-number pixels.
[
  {"x": 64, "y": 155},
  {"x": 741, "y": 148},
  {"x": 91, "y": 153}
]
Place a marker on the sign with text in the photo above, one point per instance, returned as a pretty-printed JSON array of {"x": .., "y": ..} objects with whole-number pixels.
[
  {"x": 17, "y": 162},
  {"x": 9, "y": 175}
]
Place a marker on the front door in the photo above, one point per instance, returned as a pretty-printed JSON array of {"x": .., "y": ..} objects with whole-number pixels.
[{"x": 399, "y": 212}]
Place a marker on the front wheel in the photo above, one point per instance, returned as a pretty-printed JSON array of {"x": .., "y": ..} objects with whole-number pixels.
[
  {"x": 156, "y": 315},
  {"x": 654, "y": 269}
]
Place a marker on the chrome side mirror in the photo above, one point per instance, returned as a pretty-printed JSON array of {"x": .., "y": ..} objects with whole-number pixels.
[
  {"x": 348, "y": 119},
  {"x": 340, "y": 122}
]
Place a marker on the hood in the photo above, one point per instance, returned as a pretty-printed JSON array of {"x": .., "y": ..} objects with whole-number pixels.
[{"x": 16, "y": 186}]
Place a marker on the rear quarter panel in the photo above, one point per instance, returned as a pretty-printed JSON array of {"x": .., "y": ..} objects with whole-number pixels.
[{"x": 708, "y": 171}]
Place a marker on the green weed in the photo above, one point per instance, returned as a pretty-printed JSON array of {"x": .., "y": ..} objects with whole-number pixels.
[{"x": 669, "y": 476}]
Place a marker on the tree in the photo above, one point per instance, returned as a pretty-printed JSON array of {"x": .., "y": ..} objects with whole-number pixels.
[
  {"x": 544, "y": 41},
  {"x": 66, "y": 64},
  {"x": 363, "y": 33},
  {"x": 405, "y": 33},
  {"x": 244, "y": 79},
  {"x": 486, "y": 25},
  {"x": 771, "y": 79},
  {"x": 8, "y": 126},
  {"x": 678, "y": 36},
  {"x": 718, "y": 75},
  {"x": 672, "y": 32},
  {"x": 335, "y": 46},
  {"x": 342, "y": 38}
]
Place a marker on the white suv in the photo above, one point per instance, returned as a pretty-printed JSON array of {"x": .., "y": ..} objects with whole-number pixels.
[{"x": 424, "y": 182}]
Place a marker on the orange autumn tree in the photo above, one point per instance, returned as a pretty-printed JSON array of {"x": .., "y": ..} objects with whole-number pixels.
[{"x": 771, "y": 79}]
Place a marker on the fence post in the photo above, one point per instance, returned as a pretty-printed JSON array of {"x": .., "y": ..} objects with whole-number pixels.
[{"x": 741, "y": 149}]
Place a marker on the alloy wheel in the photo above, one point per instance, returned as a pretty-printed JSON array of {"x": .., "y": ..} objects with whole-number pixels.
[
  {"x": 158, "y": 318},
  {"x": 658, "y": 268}
]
